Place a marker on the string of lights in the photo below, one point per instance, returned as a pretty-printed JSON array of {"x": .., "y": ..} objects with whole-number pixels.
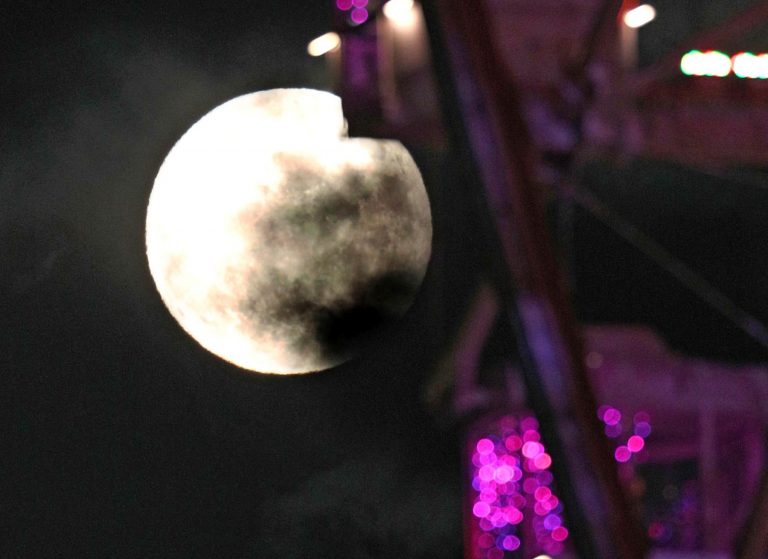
[{"x": 713, "y": 63}]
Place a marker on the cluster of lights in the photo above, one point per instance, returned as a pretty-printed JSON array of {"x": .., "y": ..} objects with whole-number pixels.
[
  {"x": 357, "y": 10},
  {"x": 614, "y": 428},
  {"x": 718, "y": 64},
  {"x": 512, "y": 491}
]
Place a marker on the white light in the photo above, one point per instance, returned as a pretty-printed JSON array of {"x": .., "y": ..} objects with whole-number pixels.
[
  {"x": 399, "y": 11},
  {"x": 542, "y": 557},
  {"x": 748, "y": 65},
  {"x": 640, "y": 16},
  {"x": 709, "y": 63},
  {"x": 324, "y": 44}
]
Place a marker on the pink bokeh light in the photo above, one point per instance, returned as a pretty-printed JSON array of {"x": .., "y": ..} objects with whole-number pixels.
[
  {"x": 359, "y": 15},
  {"x": 508, "y": 463},
  {"x": 635, "y": 443},
  {"x": 622, "y": 454}
]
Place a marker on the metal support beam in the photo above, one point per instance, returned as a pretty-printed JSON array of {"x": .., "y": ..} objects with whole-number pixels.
[
  {"x": 754, "y": 544},
  {"x": 484, "y": 114}
]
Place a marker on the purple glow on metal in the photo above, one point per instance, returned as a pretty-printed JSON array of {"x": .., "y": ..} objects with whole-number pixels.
[
  {"x": 344, "y": 5},
  {"x": 359, "y": 15}
]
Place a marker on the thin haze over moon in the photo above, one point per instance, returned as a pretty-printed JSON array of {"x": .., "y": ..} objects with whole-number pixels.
[{"x": 279, "y": 243}]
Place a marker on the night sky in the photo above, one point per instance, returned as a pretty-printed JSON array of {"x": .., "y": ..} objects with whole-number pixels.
[{"x": 121, "y": 436}]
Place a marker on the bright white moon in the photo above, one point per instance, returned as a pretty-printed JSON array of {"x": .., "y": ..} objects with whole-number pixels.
[{"x": 277, "y": 242}]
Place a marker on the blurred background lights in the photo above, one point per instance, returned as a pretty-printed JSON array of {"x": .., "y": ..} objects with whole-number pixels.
[
  {"x": 635, "y": 443},
  {"x": 359, "y": 15},
  {"x": 324, "y": 44},
  {"x": 344, "y": 5},
  {"x": 622, "y": 454},
  {"x": 708, "y": 63},
  {"x": 748, "y": 65},
  {"x": 642, "y": 15},
  {"x": 513, "y": 501},
  {"x": 612, "y": 418},
  {"x": 485, "y": 446},
  {"x": 399, "y": 11}
]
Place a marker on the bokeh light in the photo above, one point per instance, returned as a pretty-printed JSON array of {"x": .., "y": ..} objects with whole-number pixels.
[
  {"x": 635, "y": 443},
  {"x": 708, "y": 63},
  {"x": 748, "y": 65},
  {"x": 612, "y": 416},
  {"x": 643, "y": 429},
  {"x": 513, "y": 497},
  {"x": 359, "y": 15},
  {"x": 622, "y": 454},
  {"x": 614, "y": 428},
  {"x": 324, "y": 44},
  {"x": 639, "y": 16},
  {"x": 399, "y": 11}
]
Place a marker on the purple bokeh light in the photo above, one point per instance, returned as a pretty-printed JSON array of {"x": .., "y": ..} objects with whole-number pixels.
[
  {"x": 359, "y": 15},
  {"x": 612, "y": 416},
  {"x": 622, "y": 454}
]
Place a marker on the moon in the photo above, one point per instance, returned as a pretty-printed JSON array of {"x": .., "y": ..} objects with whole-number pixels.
[{"x": 279, "y": 243}]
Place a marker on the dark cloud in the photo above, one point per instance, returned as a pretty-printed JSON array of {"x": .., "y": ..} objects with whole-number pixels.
[{"x": 369, "y": 508}]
